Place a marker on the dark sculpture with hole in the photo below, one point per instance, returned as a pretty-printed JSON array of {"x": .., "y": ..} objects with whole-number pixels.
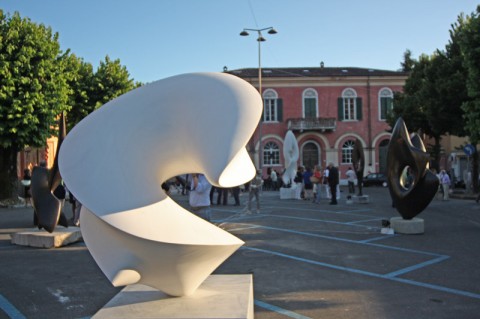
[
  {"x": 47, "y": 206},
  {"x": 411, "y": 184}
]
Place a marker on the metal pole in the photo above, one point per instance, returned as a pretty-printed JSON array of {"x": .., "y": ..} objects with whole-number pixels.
[{"x": 260, "y": 148}]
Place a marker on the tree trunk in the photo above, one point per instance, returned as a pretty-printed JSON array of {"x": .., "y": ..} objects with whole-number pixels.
[{"x": 8, "y": 172}]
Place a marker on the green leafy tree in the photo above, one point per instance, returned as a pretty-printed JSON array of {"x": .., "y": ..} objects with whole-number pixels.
[
  {"x": 467, "y": 34},
  {"x": 110, "y": 81},
  {"x": 80, "y": 81},
  {"x": 33, "y": 90}
]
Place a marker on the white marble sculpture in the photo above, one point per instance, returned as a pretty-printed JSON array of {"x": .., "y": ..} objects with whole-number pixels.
[
  {"x": 290, "y": 154},
  {"x": 115, "y": 160}
]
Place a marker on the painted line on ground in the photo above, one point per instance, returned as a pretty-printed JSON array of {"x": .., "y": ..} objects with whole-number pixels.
[
  {"x": 370, "y": 274},
  {"x": 10, "y": 309},
  {"x": 279, "y": 310},
  {"x": 416, "y": 267},
  {"x": 324, "y": 221}
]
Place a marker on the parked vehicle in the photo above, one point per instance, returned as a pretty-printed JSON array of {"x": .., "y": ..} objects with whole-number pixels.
[{"x": 375, "y": 179}]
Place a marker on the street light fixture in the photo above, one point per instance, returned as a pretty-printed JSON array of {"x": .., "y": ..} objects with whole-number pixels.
[{"x": 260, "y": 39}]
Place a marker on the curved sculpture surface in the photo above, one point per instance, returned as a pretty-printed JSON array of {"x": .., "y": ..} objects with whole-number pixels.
[
  {"x": 115, "y": 160},
  {"x": 358, "y": 159},
  {"x": 290, "y": 154},
  {"x": 407, "y": 156},
  {"x": 47, "y": 207}
]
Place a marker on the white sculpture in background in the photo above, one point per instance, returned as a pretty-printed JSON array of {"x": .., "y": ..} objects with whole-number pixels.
[
  {"x": 290, "y": 154},
  {"x": 115, "y": 160}
]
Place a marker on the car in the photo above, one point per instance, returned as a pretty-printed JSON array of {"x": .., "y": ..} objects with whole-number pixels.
[{"x": 375, "y": 179}]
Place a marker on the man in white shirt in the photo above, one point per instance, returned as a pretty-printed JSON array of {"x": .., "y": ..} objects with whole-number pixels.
[
  {"x": 351, "y": 180},
  {"x": 200, "y": 196}
]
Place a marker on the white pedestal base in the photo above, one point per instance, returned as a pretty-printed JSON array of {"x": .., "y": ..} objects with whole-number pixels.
[
  {"x": 407, "y": 226},
  {"x": 287, "y": 193},
  {"x": 43, "y": 239},
  {"x": 363, "y": 199},
  {"x": 219, "y": 296}
]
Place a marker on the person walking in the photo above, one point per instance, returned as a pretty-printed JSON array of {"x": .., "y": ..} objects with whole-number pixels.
[
  {"x": 255, "y": 187},
  {"x": 351, "y": 180},
  {"x": 199, "y": 197},
  {"x": 445, "y": 180},
  {"x": 333, "y": 180}
]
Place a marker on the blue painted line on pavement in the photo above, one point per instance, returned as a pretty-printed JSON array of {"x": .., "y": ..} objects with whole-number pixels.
[
  {"x": 365, "y": 241},
  {"x": 279, "y": 310},
  {"x": 323, "y": 221},
  {"x": 371, "y": 274},
  {"x": 10, "y": 309},
  {"x": 415, "y": 267},
  {"x": 364, "y": 221}
]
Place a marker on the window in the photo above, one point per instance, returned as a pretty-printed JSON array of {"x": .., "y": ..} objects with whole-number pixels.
[
  {"x": 271, "y": 154},
  {"x": 347, "y": 149},
  {"x": 385, "y": 103},
  {"x": 349, "y": 106},
  {"x": 310, "y": 103},
  {"x": 270, "y": 99},
  {"x": 349, "y": 96}
]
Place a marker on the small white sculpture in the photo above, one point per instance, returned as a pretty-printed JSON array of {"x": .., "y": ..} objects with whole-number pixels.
[
  {"x": 290, "y": 154},
  {"x": 115, "y": 160}
]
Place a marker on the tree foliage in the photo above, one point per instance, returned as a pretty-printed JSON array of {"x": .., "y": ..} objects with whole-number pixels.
[
  {"x": 33, "y": 89},
  {"x": 38, "y": 82}
]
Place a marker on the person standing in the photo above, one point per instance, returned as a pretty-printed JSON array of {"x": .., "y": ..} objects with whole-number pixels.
[
  {"x": 445, "y": 180},
  {"x": 255, "y": 186},
  {"x": 26, "y": 182},
  {"x": 307, "y": 183},
  {"x": 333, "y": 180},
  {"x": 351, "y": 180},
  {"x": 199, "y": 197}
]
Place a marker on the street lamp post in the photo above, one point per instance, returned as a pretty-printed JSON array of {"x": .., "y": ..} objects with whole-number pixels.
[{"x": 260, "y": 39}]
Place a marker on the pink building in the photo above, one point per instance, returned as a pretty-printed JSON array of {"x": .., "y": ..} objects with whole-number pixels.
[{"x": 327, "y": 109}]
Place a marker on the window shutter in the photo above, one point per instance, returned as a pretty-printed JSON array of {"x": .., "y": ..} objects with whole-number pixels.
[
  {"x": 383, "y": 108},
  {"x": 279, "y": 110},
  {"x": 340, "y": 108},
  {"x": 359, "y": 108},
  {"x": 262, "y": 119}
]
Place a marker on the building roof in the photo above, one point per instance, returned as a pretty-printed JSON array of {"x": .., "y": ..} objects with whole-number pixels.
[{"x": 313, "y": 72}]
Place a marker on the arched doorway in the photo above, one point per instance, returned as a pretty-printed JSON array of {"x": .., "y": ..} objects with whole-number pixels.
[
  {"x": 382, "y": 156},
  {"x": 310, "y": 155}
]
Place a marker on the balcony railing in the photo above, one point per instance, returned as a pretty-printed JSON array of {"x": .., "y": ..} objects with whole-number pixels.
[{"x": 312, "y": 124}]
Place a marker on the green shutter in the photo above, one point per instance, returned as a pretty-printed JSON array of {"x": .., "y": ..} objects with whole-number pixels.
[
  {"x": 279, "y": 110},
  {"x": 340, "y": 108},
  {"x": 359, "y": 108},
  {"x": 263, "y": 112},
  {"x": 383, "y": 108}
]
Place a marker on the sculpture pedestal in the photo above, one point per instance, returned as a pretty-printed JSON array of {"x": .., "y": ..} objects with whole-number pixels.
[
  {"x": 219, "y": 296},
  {"x": 43, "y": 239},
  {"x": 407, "y": 226},
  {"x": 287, "y": 193},
  {"x": 361, "y": 199}
]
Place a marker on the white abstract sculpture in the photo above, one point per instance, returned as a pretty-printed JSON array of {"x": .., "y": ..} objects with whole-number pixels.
[
  {"x": 290, "y": 154},
  {"x": 115, "y": 160}
]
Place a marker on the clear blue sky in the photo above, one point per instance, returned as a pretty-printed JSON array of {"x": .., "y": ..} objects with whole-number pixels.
[{"x": 155, "y": 39}]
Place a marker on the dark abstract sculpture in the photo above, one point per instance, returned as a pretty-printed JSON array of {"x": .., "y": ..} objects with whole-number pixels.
[
  {"x": 358, "y": 159},
  {"x": 412, "y": 185},
  {"x": 47, "y": 207}
]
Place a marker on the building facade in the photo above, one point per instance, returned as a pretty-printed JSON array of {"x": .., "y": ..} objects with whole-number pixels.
[{"x": 328, "y": 110}]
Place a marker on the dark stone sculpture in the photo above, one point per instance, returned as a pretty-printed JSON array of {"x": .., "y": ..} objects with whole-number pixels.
[
  {"x": 358, "y": 158},
  {"x": 47, "y": 207},
  {"x": 411, "y": 184}
]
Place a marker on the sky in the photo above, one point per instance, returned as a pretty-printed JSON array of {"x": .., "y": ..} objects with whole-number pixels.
[{"x": 155, "y": 39}]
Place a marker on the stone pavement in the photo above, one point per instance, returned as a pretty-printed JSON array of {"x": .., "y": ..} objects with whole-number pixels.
[{"x": 308, "y": 261}]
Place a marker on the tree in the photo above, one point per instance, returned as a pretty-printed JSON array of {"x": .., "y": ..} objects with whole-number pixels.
[
  {"x": 80, "y": 81},
  {"x": 33, "y": 90},
  {"x": 110, "y": 81},
  {"x": 408, "y": 61},
  {"x": 467, "y": 33}
]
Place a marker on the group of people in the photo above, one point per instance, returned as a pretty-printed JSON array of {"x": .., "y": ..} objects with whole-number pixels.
[
  {"x": 311, "y": 184},
  {"x": 200, "y": 195}
]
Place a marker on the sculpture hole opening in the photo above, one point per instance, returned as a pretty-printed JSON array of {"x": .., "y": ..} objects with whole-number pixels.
[{"x": 407, "y": 178}]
